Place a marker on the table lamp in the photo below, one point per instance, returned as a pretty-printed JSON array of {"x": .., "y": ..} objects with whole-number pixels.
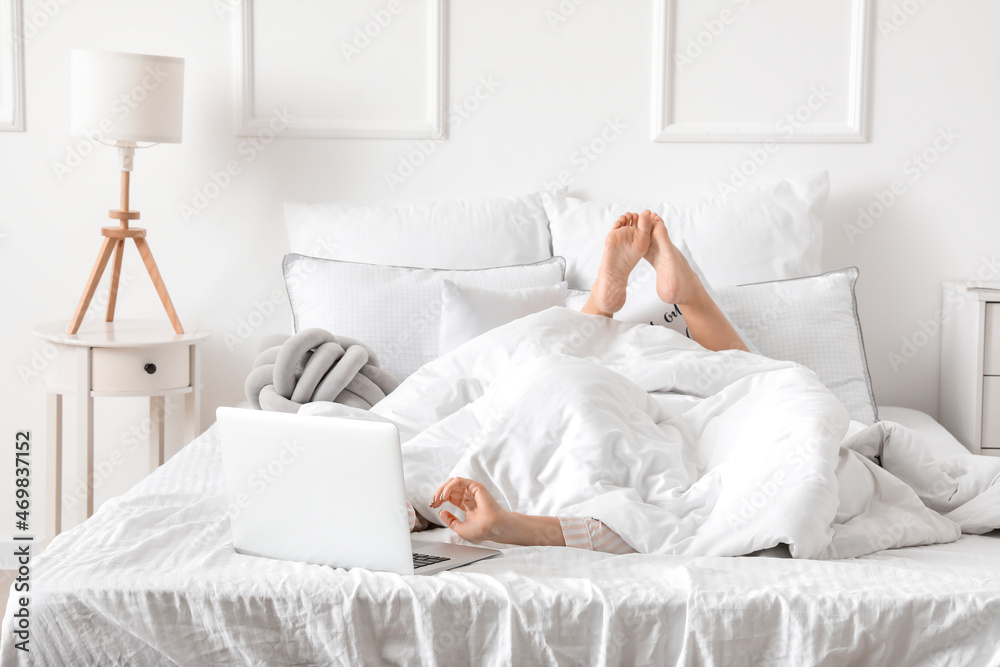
[{"x": 123, "y": 99}]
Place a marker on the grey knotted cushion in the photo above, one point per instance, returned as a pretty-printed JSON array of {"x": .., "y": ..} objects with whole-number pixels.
[{"x": 315, "y": 365}]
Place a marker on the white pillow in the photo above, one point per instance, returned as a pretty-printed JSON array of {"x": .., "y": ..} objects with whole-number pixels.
[
  {"x": 394, "y": 310},
  {"x": 814, "y": 322},
  {"x": 769, "y": 232},
  {"x": 457, "y": 234},
  {"x": 941, "y": 443},
  {"x": 577, "y": 298},
  {"x": 470, "y": 311}
]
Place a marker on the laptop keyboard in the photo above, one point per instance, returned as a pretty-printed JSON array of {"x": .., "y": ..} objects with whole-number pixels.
[{"x": 422, "y": 560}]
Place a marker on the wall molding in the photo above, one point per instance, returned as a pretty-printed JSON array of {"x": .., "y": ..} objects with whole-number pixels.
[
  {"x": 853, "y": 129},
  {"x": 15, "y": 121},
  {"x": 432, "y": 126}
]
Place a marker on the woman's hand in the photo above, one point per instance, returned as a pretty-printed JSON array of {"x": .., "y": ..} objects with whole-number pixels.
[
  {"x": 483, "y": 514},
  {"x": 486, "y": 520}
]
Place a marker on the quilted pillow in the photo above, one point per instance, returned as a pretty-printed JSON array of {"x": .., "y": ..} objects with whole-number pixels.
[
  {"x": 812, "y": 321},
  {"x": 395, "y": 310}
]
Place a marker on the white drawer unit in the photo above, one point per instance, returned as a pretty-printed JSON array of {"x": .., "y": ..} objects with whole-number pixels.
[
  {"x": 991, "y": 415},
  {"x": 970, "y": 365},
  {"x": 141, "y": 369},
  {"x": 114, "y": 359},
  {"x": 991, "y": 339}
]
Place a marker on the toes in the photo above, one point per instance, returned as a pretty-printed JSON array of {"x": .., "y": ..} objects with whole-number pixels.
[
  {"x": 633, "y": 219},
  {"x": 622, "y": 221},
  {"x": 659, "y": 227},
  {"x": 645, "y": 222}
]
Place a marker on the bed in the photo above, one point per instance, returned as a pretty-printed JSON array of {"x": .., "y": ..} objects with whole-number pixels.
[{"x": 153, "y": 579}]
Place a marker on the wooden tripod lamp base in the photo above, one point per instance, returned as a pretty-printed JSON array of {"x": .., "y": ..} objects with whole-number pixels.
[{"x": 114, "y": 242}]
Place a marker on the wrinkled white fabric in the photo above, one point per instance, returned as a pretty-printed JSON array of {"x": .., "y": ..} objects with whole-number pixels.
[
  {"x": 677, "y": 449},
  {"x": 152, "y": 579},
  {"x": 962, "y": 487}
]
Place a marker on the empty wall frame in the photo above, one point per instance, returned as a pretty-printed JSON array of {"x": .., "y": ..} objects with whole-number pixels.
[{"x": 364, "y": 69}]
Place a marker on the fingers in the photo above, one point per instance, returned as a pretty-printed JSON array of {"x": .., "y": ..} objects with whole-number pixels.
[
  {"x": 469, "y": 499},
  {"x": 458, "y": 491},
  {"x": 465, "y": 530},
  {"x": 436, "y": 498},
  {"x": 444, "y": 491}
]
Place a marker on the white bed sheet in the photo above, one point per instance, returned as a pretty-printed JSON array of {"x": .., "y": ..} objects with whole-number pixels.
[{"x": 152, "y": 579}]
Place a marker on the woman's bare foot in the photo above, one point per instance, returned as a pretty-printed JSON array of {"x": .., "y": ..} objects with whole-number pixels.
[
  {"x": 626, "y": 243},
  {"x": 645, "y": 235},
  {"x": 676, "y": 281}
]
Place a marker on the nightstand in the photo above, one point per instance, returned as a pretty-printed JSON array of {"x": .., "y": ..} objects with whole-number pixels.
[
  {"x": 114, "y": 359},
  {"x": 970, "y": 365}
]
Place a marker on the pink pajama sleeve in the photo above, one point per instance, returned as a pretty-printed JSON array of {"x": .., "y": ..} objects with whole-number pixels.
[
  {"x": 592, "y": 534},
  {"x": 577, "y": 531}
]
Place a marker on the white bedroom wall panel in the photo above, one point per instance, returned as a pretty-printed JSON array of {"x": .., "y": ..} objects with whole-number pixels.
[
  {"x": 11, "y": 66},
  {"x": 361, "y": 69},
  {"x": 781, "y": 71}
]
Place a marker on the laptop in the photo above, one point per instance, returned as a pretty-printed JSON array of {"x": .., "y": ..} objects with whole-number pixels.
[{"x": 324, "y": 490}]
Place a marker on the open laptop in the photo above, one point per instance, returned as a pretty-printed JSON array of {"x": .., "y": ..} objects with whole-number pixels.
[{"x": 324, "y": 490}]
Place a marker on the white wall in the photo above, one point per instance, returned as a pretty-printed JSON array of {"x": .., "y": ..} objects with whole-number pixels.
[{"x": 557, "y": 87}]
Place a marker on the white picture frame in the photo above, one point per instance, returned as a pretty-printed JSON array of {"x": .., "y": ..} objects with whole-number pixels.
[
  {"x": 12, "y": 61},
  {"x": 431, "y": 126},
  {"x": 854, "y": 128}
]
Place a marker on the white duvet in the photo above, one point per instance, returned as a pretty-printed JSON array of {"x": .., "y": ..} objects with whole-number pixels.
[
  {"x": 678, "y": 449},
  {"x": 152, "y": 578}
]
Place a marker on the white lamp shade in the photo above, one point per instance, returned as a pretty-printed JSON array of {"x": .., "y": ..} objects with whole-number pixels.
[{"x": 127, "y": 97}]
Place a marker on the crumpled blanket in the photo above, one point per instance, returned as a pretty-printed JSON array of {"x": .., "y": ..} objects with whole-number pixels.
[{"x": 678, "y": 449}]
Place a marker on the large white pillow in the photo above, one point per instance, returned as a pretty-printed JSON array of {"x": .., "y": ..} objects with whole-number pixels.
[
  {"x": 768, "y": 232},
  {"x": 939, "y": 440},
  {"x": 812, "y": 321},
  {"x": 394, "y": 310},
  {"x": 470, "y": 311},
  {"x": 457, "y": 234}
]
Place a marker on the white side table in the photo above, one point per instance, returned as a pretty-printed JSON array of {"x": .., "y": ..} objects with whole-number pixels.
[
  {"x": 970, "y": 365},
  {"x": 123, "y": 358}
]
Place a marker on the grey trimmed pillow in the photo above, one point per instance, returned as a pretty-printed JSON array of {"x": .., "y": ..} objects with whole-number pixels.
[
  {"x": 812, "y": 321},
  {"x": 395, "y": 310}
]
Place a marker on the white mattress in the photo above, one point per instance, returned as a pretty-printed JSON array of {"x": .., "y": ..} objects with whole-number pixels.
[{"x": 152, "y": 579}]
